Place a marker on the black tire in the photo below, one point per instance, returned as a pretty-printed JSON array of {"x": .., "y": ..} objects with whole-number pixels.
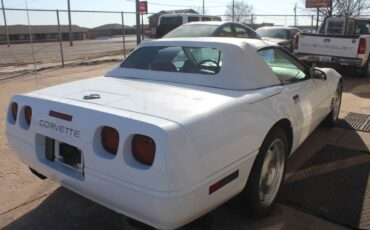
[
  {"x": 365, "y": 70},
  {"x": 332, "y": 118},
  {"x": 255, "y": 205}
]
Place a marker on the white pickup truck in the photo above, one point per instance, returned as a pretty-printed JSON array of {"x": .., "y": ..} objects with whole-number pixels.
[{"x": 341, "y": 41}]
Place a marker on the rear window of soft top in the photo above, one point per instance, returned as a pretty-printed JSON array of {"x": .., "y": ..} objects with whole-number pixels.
[{"x": 200, "y": 60}]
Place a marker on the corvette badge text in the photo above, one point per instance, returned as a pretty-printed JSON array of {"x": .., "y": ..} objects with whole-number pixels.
[{"x": 59, "y": 128}]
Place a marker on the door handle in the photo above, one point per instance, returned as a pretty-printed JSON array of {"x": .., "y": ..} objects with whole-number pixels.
[{"x": 296, "y": 98}]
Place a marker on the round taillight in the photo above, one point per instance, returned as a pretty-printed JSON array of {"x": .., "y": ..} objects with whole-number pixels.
[
  {"x": 14, "y": 110},
  {"x": 143, "y": 149},
  {"x": 28, "y": 114},
  {"x": 110, "y": 139}
]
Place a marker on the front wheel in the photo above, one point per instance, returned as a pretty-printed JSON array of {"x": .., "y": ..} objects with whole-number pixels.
[
  {"x": 332, "y": 117},
  {"x": 267, "y": 174}
]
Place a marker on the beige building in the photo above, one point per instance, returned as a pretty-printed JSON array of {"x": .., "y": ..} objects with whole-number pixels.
[{"x": 41, "y": 33}]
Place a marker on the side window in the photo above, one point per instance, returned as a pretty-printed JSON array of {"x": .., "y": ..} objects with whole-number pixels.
[
  {"x": 193, "y": 19},
  {"x": 226, "y": 31},
  {"x": 206, "y": 19},
  {"x": 286, "y": 68},
  {"x": 362, "y": 27},
  {"x": 241, "y": 32}
]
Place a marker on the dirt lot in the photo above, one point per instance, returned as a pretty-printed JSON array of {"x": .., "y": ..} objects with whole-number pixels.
[
  {"x": 20, "y": 54},
  {"x": 28, "y": 202}
]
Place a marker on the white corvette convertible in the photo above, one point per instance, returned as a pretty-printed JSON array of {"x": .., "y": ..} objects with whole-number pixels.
[{"x": 177, "y": 129}]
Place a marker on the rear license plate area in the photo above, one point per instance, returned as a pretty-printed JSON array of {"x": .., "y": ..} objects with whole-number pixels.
[
  {"x": 64, "y": 154},
  {"x": 325, "y": 59}
]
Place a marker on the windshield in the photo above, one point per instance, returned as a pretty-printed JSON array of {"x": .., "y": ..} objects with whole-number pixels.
[
  {"x": 273, "y": 33},
  {"x": 201, "y": 60},
  {"x": 192, "y": 31}
]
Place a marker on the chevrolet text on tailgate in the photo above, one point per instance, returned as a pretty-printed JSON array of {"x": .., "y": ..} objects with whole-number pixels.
[
  {"x": 341, "y": 41},
  {"x": 178, "y": 128}
]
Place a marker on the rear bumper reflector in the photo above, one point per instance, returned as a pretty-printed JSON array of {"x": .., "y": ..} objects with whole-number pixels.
[{"x": 219, "y": 184}]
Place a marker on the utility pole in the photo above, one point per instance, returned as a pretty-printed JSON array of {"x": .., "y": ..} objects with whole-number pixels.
[
  {"x": 142, "y": 26},
  {"x": 123, "y": 35},
  {"x": 6, "y": 25},
  {"x": 138, "y": 37},
  {"x": 70, "y": 24},
  {"x": 295, "y": 14},
  {"x": 203, "y": 7},
  {"x": 233, "y": 16}
]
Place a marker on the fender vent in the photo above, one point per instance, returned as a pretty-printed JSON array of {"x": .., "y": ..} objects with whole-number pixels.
[
  {"x": 356, "y": 121},
  {"x": 332, "y": 103}
]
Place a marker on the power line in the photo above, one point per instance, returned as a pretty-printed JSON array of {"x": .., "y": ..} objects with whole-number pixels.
[{"x": 23, "y": 4}]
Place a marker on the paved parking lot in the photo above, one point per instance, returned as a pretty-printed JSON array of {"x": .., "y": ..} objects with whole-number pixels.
[{"x": 27, "y": 202}]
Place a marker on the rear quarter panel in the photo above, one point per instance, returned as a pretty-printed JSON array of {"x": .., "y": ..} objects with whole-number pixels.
[{"x": 234, "y": 132}]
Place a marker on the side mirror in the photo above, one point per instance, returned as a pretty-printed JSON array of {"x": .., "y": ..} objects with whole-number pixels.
[{"x": 318, "y": 74}]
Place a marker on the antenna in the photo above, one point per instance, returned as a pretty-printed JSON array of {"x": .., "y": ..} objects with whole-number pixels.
[{"x": 32, "y": 48}]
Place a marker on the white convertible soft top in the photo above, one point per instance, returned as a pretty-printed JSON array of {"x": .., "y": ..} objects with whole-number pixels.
[{"x": 242, "y": 67}]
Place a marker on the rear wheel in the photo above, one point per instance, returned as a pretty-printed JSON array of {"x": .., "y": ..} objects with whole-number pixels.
[
  {"x": 365, "y": 70},
  {"x": 267, "y": 174}
]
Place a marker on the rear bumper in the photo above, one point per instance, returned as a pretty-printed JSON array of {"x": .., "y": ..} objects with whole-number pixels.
[
  {"x": 161, "y": 209},
  {"x": 330, "y": 60}
]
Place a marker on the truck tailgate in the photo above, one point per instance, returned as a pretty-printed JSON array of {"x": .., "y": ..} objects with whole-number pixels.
[{"x": 328, "y": 45}]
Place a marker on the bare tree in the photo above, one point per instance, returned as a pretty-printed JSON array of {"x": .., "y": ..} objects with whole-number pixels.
[
  {"x": 344, "y": 7},
  {"x": 242, "y": 11}
]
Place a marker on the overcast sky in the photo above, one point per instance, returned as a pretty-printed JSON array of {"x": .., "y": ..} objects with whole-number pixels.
[{"x": 213, "y": 7}]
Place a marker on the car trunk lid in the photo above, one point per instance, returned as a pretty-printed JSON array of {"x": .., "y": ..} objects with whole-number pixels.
[{"x": 174, "y": 102}]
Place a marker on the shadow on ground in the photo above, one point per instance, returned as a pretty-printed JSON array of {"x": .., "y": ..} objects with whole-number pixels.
[
  {"x": 334, "y": 184},
  {"x": 64, "y": 209}
]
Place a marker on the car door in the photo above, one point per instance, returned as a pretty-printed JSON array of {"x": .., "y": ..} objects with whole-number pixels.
[{"x": 307, "y": 97}]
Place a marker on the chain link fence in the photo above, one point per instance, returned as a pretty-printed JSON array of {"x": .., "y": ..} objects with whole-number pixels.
[
  {"x": 95, "y": 34},
  {"x": 49, "y": 33}
]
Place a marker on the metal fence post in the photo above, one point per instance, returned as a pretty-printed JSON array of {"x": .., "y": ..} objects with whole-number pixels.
[
  {"x": 70, "y": 24},
  {"x": 123, "y": 35},
  {"x": 312, "y": 20},
  {"x": 60, "y": 40},
  {"x": 5, "y": 24},
  {"x": 317, "y": 20}
]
